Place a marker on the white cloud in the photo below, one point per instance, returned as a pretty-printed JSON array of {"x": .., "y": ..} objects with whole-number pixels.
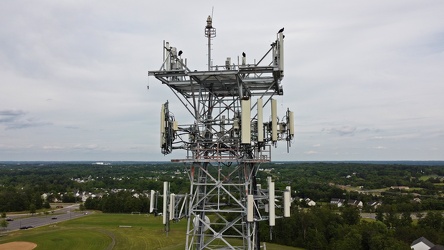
[{"x": 358, "y": 74}]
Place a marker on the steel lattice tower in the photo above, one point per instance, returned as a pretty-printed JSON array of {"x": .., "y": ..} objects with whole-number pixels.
[{"x": 225, "y": 144}]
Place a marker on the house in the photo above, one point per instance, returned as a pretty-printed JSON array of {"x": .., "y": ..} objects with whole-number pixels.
[
  {"x": 374, "y": 204},
  {"x": 310, "y": 202},
  {"x": 421, "y": 244},
  {"x": 417, "y": 200},
  {"x": 355, "y": 203},
  {"x": 337, "y": 201}
]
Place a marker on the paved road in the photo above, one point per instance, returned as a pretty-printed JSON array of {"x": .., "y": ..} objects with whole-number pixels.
[{"x": 21, "y": 221}]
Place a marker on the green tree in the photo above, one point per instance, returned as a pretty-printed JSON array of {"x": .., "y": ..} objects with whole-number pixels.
[
  {"x": 32, "y": 209},
  {"x": 4, "y": 223},
  {"x": 351, "y": 241},
  {"x": 315, "y": 239},
  {"x": 351, "y": 215},
  {"x": 433, "y": 220},
  {"x": 384, "y": 242},
  {"x": 46, "y": 205},
  {"x": 391, "y": 218},
  {"x": 379, "y": 214},
  {"x": 369, "y": 230},
  {"x": 406, "y": 219}
]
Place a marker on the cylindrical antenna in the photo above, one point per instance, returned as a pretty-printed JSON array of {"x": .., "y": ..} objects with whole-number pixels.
[
  {"x": 165, "y": 204},
  {"x": 172, "y": 205},
  {"x": 210, "y": 32},
  {"x": 152, "y": 200},
  {"x": 287, "y": 201},
  {"x": 260, "y": 123}
]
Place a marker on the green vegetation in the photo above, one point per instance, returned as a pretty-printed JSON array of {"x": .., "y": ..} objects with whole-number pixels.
[
  {"x": 326, "y": 228},
  {"x": 102, "y": 231},
  {"x": 400, "y": 192},
  {"x": 66, "y": 239}
]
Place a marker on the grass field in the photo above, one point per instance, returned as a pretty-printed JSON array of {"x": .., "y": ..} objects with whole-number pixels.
[
  {"x": 426, "y": 177},
  {"x": 102, "y": 231}
]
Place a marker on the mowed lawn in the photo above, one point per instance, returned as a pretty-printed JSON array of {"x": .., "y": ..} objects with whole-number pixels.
[{"x": 109, "y": 231}]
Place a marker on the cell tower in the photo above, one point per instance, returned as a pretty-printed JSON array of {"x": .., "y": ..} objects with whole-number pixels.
[{"x": 225, "y": 145}]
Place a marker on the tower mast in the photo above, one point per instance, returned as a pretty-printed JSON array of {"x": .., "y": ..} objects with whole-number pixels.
[{"x": 227, "y": 141}]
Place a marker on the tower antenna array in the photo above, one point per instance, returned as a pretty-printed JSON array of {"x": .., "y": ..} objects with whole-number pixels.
[{"x": 225, "y": 144}]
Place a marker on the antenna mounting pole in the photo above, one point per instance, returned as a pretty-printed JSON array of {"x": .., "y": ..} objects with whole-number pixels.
[{"x": 210, "y": 32}]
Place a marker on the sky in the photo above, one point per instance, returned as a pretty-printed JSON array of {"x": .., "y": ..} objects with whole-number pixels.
[{"x": 364, "y": 78}]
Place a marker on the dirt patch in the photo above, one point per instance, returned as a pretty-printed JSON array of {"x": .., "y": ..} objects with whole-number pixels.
[{"x": 18, "y": 245}]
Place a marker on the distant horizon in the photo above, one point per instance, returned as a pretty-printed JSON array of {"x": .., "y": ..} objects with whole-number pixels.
[{"x": 401, "y": 162}]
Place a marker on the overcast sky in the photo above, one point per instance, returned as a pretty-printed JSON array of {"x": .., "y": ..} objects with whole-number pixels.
[{"x": 364, "y": 78}]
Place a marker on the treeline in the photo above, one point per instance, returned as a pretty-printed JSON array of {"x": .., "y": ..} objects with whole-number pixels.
[
  {"x": 323, "y": 228},
  {"x": 120, "y": 202},
  {"x": 323, "y": 181},
  {"x": 59, "y": 177},
  {"x": 12, "y": 199},
  {"x": 21, "y": 183},
  {"x": 369, "y": 176}
]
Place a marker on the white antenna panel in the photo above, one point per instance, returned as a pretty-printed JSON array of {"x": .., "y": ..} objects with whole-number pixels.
[
  {"x": 260, "y": 120},
  {"x": 172, "y": 205},
  {"x": 281, "y": 53},
  {"x": 245, "y": 122},
  {"x": 273, "y": 120},
  {"x": 165, "y": 202},
  {"x": 271, "y": 204},
  {"x": 250, "y": 208},
  {"x": 287, "y": 201}
]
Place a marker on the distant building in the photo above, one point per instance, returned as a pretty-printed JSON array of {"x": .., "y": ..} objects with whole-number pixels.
[
  {"x": 338, "y": 202},
  {"x": 373, "y": 204},
  {"x": 355, "y": 203},
  {"x": 417, "y": 200},
  {"x": 422, "y": 244},
  {"x": 310, "y": 202}
]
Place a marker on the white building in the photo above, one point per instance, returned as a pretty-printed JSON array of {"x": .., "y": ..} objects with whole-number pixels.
[{"x": 421, "y": 244}]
